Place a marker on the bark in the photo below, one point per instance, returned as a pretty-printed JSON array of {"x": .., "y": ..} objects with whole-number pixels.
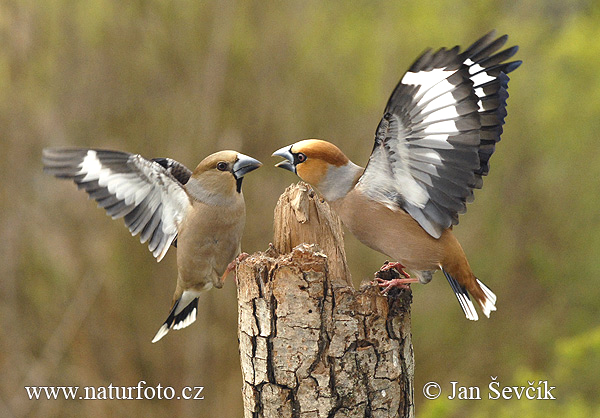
[{"x": 310, "y": 344}]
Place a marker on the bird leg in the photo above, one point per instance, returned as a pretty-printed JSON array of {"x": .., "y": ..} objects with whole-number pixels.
[
  {"x": 388, "y": 284},
  {"x": 231, "y": 266},
  {"x": 395, "y": 265}
]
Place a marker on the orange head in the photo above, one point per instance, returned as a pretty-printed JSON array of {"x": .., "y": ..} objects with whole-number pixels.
[{"x": 321, "y": 164}]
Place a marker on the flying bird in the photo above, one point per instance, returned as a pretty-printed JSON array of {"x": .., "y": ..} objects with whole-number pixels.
[
  {"x": 201, "y": 212},
  {"x": 432, "y": 148}
]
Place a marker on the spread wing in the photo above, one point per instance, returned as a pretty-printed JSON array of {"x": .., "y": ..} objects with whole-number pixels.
[
  {"x": 438, "y": 132},
  {"x": 145, "y": 193}
]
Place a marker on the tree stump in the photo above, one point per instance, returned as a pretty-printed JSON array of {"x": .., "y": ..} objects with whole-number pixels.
[{"x": 310, "y": 344}]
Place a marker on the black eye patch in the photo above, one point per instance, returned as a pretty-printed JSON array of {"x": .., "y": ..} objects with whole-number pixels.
[{"x": 299, "y": 158}]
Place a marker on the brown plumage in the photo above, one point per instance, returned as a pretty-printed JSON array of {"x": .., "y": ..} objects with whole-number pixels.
[
  {"x": 398, "y": 235},
  {"x": 201, "y": 212},
  {"x": 432, "y": 148}
]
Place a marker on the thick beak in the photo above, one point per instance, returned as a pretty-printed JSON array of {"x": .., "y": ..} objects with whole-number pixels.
[
  {"x": 288, "y": 163},
  {"x": 244, "y": 165}
]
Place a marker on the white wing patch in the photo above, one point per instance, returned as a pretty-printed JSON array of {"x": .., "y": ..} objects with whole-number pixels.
[
  {"x": 481, "y": 78},
  {"x": 438, "y": 131},
  {"x": 448, "y": 126},
  {"x": 476, "y": 70},
  {"x": 438, "y": 141},
  {"x": 439, "y": 89},
  {"x": 90, "y": 166},
  {"x": 442, "y": 114},
  {"x": 152, "y": 202},
  {"x": 426, "y": 79}
]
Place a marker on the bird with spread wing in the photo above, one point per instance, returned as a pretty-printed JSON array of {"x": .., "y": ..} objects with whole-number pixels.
[
  {"x": 201, "y": 212},
  {"x": 432, "y": 148}
]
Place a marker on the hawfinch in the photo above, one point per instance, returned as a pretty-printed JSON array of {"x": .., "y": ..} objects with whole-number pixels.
[
  {"x": 201, "y": 212},
  {"x": 432, "y": 147}
]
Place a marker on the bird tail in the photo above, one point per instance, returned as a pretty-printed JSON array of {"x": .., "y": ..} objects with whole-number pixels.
[
  {"x": 482, "y": 294},
  {"x": 463, "y": 297},
  {"x": 488, "y": 302},
  {"x": 183, "y": 313}
]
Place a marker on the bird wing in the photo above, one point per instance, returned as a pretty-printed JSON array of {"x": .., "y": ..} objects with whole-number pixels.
[
  {"x": 151, "y": 199},
  {"x": 438, "y": 132},
  {"x": 181, "y": 173}
]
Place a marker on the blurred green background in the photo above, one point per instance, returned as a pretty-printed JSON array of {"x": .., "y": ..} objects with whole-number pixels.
[{"x": 80, "y": 299}]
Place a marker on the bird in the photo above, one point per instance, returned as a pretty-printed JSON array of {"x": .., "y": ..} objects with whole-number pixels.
[
  {"x": 431, "y": 150},
  {"x": 201, "y": 212}
]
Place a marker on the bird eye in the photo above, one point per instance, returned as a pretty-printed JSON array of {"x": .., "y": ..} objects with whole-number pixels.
[
  {"x": 300, "y": 157},
  {"x": 221, "y": 166}
]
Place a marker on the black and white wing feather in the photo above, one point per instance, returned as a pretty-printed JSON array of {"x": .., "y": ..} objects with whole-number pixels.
[
  {"x": 149, "y": 195},
  {"x": 438, "y": 132},
  {"x": 181, "y": 173}
]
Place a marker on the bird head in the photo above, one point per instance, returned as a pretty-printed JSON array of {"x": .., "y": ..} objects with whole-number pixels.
[
  {"x": 223, "y": 171},
  {"x": 321, "y": 164}
]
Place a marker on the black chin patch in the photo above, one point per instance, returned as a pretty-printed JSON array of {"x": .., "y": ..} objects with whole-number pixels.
[{"x": 238, "y": 184}]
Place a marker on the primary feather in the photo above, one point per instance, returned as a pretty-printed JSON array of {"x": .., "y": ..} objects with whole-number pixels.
[
  {"x": 439, "y": 129},
  {"x": 143, "y": 192}
]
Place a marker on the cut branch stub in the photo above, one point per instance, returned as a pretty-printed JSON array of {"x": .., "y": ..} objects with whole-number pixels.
[
  {"x": 302, "y": 217},
  {"x": 312, "y": 347}
]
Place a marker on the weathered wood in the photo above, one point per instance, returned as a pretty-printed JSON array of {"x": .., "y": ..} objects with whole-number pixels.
[
  {"x": 301, "y": 216},
  {"x": 310, "y": 344}
]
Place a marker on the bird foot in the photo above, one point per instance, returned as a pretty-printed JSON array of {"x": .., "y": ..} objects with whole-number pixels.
[
  {"x": 387, "y": 285},
  {"x": 397, "y": 266},
  {"x": 231, "y": 266}
]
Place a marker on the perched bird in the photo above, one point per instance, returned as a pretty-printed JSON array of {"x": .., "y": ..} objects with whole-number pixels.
[
  {"x": 201, "y": 212},
  {"x": 432, "y": 147}
]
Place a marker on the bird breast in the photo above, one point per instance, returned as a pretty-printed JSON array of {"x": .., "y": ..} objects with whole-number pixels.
[{"x": 209, "y": 239}]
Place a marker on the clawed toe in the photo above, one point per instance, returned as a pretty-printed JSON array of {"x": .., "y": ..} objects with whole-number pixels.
[
  {"x": 231, "y": 266},
  {"x": 396, "y": 266},
  {"x": 387, "y": 285}
]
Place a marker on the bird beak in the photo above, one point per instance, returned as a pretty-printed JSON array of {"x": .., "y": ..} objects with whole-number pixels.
[
  {"x": 244, "y": 165},
  {"x": 288, "y": 163}
]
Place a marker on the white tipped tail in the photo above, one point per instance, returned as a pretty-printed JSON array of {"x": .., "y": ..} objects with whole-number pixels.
[
  {"x": 162, "y": 331},
  {"x": 489, "y": 303},
  {"x": 463, "y": 298},
  {"x": 183, "y": 313}
]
